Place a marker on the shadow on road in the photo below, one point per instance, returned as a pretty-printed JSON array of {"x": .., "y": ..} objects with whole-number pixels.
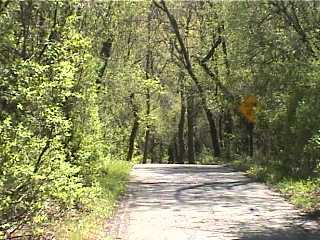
[
  {"x": 290, "y": 233},
  {"x": 216, "y": 201},
  {"x": 180, "y": 194}
]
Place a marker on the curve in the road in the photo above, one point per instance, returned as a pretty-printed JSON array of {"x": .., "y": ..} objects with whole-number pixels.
[{"x": 192, "y": 202}]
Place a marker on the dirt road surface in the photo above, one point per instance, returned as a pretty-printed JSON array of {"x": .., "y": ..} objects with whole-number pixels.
[{"x": 192, "y": 202}]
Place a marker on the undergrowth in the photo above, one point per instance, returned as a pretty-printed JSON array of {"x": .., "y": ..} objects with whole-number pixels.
[{"x": 90, "y": 222}]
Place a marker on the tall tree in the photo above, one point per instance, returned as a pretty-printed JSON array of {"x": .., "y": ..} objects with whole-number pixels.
[{"x": 186, "y": 61}]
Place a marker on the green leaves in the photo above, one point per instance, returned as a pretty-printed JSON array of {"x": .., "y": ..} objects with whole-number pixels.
[{"x": 50, "y": 131}]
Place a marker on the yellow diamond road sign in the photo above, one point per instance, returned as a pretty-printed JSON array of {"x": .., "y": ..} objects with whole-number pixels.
[{"x": 247, "y": 108}]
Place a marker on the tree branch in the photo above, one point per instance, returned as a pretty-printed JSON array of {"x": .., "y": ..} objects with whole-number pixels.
[
  {"x": 225, "y": 91},
  {"x": 52, "y": 33},
  {"x": 212, "y": 50},
  {"x": 292, "y": 19}
]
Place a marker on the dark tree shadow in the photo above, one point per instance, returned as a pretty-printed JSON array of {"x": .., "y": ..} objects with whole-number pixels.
[
  {"x": 220, "y": 190},
  {"x": 290, "y": 233}
]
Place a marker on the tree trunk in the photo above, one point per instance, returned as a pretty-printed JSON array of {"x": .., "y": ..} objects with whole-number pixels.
[
  {"x": 134, "y": 130},
  {"x": 147, "y": 134},
  {"x": 250, "y": 128},
  {"x": 171, "y": 154},
  {"x": 132, "y": 138},
  {"x": 148, "y": 71},
  {"x": 213, "y": 133},
  {"x": 175, "y": 148},
  {"x": 172, "y": 151},
  {"x": 160, "y": 152},
  {"x": 221, "y": 130},
  {"x": 25, "y": 17},
  {"x": 190, "y": 113},
  {"x": 228, "y": 133},
  {"x": 146, "y": 144},
  {"x": 152, "y": 149},
  {"x": 181, "y": 146}
]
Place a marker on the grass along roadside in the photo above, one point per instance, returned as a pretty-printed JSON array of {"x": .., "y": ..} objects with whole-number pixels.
[
  {"x": 90, "y": 224},
  {"x": 303, "y": 193}
]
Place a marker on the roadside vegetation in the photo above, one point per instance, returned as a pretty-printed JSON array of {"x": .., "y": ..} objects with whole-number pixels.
[
  {"x": 303, "y": 192},
  {"x": 90, "y": 222}
]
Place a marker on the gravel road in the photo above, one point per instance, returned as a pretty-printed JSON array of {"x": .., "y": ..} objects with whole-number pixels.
[{"x": 196, "y": 202}]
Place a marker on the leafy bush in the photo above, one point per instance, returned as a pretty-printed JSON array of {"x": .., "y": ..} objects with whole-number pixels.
[
  {"x": 110, "y": 183},
  {"x": 51, "y": 138},
  {"x": 303, "y": 193}
]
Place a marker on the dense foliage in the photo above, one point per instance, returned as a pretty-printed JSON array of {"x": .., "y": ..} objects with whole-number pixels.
[
  {"x": 52, "y": 133},
  {"x": 87, "y": 83}
]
